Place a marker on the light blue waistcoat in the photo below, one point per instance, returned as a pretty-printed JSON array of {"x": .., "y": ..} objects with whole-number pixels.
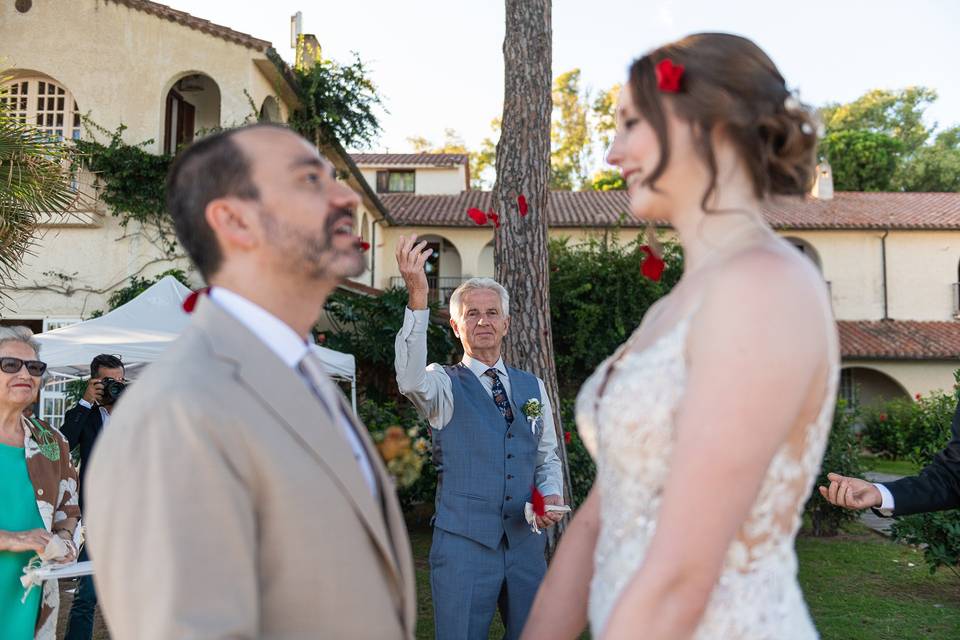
[{"x": 486, "y": 469}]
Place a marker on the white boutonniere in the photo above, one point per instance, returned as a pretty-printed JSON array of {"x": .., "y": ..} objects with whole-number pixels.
[{"x": 533, "y": 409}]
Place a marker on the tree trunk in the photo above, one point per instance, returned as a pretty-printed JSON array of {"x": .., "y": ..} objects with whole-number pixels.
[{"x": 523, "y": 168}]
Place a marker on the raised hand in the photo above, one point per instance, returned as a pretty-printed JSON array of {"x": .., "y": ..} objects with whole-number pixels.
[
  {"x": 851, "y": 493},
  {"x": 411, "y": 256}
]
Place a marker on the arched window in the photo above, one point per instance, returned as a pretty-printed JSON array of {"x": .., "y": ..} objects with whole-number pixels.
[
  {"x": 806, "y": 249},
  {"x": 45, "y": 103},
  {"x": 270, "y": 110}
]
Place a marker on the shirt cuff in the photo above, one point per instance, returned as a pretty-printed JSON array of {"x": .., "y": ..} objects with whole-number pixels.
[
  {"x": 886, "y": 496},
  {"x": 84, "y": 403},
  {"x": 414, "y": 321}
]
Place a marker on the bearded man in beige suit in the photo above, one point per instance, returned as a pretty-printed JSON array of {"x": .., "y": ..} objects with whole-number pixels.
[{"x": 233, "y": 494}]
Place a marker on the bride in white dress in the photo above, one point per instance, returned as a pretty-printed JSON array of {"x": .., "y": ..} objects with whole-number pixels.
[{"x": 708, "y": 425}]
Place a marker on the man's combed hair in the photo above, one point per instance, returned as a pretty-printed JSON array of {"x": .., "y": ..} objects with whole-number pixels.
[
  {"x": 104, "y": 360},
  {"x": 210, "y": 168},
  {"x": 474, "y": 284}
]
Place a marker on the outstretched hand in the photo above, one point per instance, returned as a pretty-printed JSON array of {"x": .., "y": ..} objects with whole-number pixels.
[
  {"x": 411, "y": 257},
  {"x": 851, "y": 493}
]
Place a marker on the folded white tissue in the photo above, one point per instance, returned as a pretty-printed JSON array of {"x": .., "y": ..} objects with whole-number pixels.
[{"x": 532, "y": 517}]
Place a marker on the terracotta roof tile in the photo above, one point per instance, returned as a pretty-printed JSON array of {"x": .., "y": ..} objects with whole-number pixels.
[
  {"x": 899, "y": 339},
  {"x": 402, "y": 159},
  {"x": 199, "y": 24},
  {"x": 847, "y": 210}
]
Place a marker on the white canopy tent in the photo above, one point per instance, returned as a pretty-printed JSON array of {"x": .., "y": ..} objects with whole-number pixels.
[{"x": 140, "y": 330}]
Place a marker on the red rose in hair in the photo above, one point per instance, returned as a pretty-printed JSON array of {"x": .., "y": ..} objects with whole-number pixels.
[
  {"x": 652, "y": 266},
  {"x": 522, "y": 204},
  {"x": 539, "y": 506},
  {"x": 669, "y": 76},
  {"x": 477, "y": 215}
]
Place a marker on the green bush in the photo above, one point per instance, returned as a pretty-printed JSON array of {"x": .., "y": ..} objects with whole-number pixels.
[
  {"x": 597, "y": 298},
  {"x": 886, "y": 427},
  {"x": 583, "y": 470},
  {"x": 939, "y": 532},
  {"x": 841, "y": 456}
]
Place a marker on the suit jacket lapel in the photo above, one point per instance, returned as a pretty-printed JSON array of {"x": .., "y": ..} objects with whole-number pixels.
[{"x": 298, "y": 411}]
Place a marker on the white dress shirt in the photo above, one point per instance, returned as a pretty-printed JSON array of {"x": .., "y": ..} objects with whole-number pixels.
[
  {"x": 431, "y": 391},
  {"x": 887, "y": 497},
  {"x": 290, "y": 348}
]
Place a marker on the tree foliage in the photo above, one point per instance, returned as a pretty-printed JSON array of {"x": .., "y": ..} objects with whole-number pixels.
[
  {"x": 886, "y": 128},
  {"x": 841, "y": 456},
  {"x": 366, "y": 326},
  {"x": 570, "y": 133},
  {"x": 339, "y": 103},
  {"x": 862, "y": 160}
]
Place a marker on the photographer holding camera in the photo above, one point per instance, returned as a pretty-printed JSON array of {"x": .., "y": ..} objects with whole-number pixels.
[{"x": 81, "y": 426}]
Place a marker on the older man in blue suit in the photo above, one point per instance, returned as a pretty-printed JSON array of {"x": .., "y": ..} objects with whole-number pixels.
[{"x": 490, "y": 453}]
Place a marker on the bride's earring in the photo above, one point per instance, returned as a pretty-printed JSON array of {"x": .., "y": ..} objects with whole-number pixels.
[{"x": 653, "y": 242}]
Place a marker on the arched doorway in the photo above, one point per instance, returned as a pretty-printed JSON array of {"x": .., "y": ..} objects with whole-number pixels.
[
  {"x": 863, "y": 386},
  {"x": 192, "y": 106},
  {"x": 270, "y": 110},
  {"x": 485, "y": 266},
  {"x": 444, "y": 268}
]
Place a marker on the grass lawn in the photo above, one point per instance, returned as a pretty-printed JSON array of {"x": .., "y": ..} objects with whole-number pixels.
[
  {"x": 862, "y": 586},
  {"x": 895, "y": 467},
  {"x": 859, "y": 586}
]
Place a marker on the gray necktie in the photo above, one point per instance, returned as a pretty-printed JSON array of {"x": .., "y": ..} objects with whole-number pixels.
[{"x": 312, "y": 369}]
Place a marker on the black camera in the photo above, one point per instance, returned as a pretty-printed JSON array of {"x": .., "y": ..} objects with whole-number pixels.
[{"x": 111, "y": 390}]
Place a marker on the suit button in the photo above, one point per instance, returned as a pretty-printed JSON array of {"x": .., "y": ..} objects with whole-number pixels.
[
  {"x": 509, "y": 455},
  {"x": 506, "y": 517},
  {"x": 509, "y": 477},
  {"x": 509, "y": 498},
  {"x": 509, "y": 435}
]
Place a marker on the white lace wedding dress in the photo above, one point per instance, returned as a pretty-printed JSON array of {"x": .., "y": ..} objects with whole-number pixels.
[{"x": 629, "y": 432}]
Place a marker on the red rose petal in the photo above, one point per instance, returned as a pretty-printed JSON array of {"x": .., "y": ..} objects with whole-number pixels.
[
  {"x": 495, "y": 218},
  {"x": 190, "y": 302},
  {"x": 522, "y": 204},
  {"x": 668, "y": 75},
  {"x": 652, "y": 266},
  {"x": 539, "y": 506},
  {"x": 477, "y": 215},
  {"x": 364, "y": 245}
]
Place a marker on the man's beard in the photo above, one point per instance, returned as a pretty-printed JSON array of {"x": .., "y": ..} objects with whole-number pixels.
[{"x": 311, "y": 255}]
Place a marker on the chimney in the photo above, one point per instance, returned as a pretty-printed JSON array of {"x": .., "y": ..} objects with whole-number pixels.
[{"x": 823, "y": 183}]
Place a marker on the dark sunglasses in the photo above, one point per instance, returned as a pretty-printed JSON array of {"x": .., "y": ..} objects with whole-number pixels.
[{"x": 13, "y": 365}]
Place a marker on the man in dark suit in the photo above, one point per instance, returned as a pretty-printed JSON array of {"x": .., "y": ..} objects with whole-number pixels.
[
  {"x": 81, "y": 426},
  {"x": 935, "y": 488}
]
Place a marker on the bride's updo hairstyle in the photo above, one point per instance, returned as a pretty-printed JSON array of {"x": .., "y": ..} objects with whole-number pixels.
[{"x": 729, "y": 81}]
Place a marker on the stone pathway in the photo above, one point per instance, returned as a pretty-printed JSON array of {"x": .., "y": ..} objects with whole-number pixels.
[{"x": 868, "y": 517}]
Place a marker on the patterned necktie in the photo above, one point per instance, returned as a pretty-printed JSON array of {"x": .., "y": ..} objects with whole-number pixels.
[{"x": 500, "y": 396}]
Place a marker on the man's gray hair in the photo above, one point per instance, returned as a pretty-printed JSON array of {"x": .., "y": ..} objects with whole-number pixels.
[
  {"x": 474, "y": 284},
  {"x": 19, "y": 333}
]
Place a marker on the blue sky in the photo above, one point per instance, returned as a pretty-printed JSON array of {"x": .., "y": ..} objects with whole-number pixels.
[{"x": 439, "y": 64}]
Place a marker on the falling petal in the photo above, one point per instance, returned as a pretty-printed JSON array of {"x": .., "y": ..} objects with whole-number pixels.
[
  {"x": 477, "y": 215},
  {"x": 522, "y": 204},
  {"x": 539, "y": 506},
  {"x": 652, "y": 266}
]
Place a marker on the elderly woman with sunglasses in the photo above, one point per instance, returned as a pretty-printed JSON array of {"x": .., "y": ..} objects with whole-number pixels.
[{"x": 38, "y": 491}]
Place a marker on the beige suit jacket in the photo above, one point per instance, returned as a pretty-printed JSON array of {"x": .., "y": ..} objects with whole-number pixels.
[{"x": 223, "y": 503}]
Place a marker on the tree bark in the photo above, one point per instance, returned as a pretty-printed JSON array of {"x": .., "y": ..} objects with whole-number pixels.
[{"x": 523, "y": 168}]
